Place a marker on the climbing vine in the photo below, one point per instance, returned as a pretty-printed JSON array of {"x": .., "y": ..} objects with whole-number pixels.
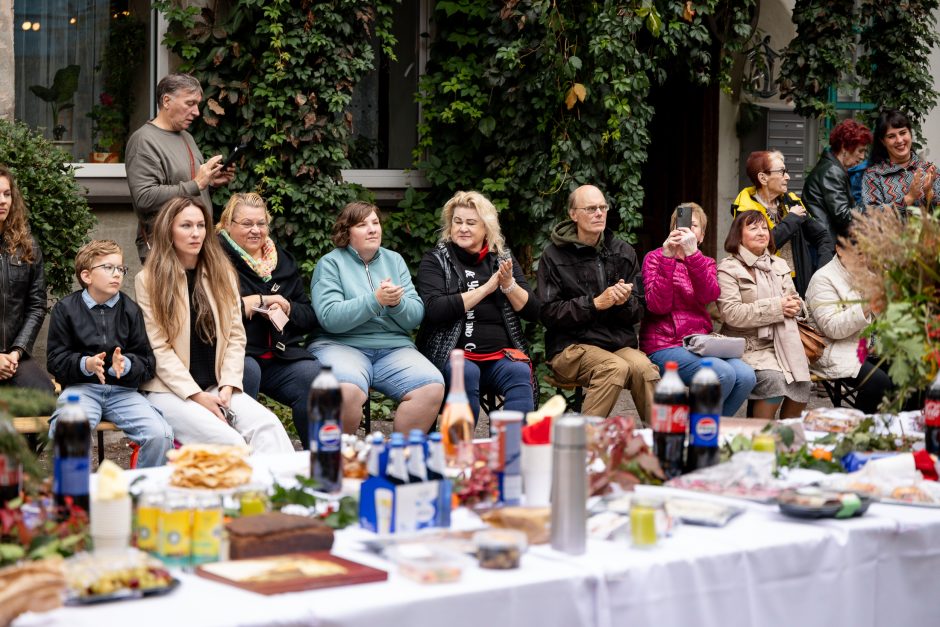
[
  {"x": 278, "y": 76},
  {"x": 892, "y": 40}
]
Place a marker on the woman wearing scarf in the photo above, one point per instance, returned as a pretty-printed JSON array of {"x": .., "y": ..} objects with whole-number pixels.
[
  {"x": 474, "y": 294},
  {"x": 759, "y": 302},
  {"x": 273, "y": 295},
  {"x": 802, "y": 241}
]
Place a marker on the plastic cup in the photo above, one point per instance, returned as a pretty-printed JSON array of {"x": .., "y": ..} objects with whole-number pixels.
[
  {"x": 537, "y": 474},
  {"x": 111, "y": 524}
]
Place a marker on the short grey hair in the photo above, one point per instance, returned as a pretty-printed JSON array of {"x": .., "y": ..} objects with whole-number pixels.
[{"x": 172, "y": 84}]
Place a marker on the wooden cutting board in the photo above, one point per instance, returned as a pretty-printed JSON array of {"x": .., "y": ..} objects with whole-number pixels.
[{"x": 297, "y": 572}]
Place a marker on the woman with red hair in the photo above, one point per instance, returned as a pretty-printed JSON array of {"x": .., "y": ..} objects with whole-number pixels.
[
  {"x": 827, "y": 192},
  {"x": 802, "y": 241}
]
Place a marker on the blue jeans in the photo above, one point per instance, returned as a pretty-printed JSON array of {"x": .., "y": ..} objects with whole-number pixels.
[
  {"x": 507, "y": 378},
  {"x": 737, "y": 378},
  {"x": 129, "y": 411},
  {"x": 392, "y": 371},
  {"x": 287, "y": 382}
]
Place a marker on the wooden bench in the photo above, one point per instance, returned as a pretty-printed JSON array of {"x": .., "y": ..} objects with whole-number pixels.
[{"x": 32, "y": 426}]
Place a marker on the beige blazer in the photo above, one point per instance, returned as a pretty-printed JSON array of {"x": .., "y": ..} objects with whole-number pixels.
[
  {"x": 742, "y": 313},
  {"x": 172, "y": 373},
  {"x": 837, "y": 314}
]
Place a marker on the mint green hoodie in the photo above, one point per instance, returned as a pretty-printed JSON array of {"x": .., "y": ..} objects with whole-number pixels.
[{"x": 343, "y": 290}]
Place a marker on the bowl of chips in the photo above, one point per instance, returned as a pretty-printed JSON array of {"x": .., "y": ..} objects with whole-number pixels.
[{"x": 209, "y": 466}]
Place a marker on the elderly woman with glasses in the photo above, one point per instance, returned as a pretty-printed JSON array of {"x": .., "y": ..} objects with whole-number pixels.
[
  {"x": 793, "y": 229},
  {"x": 276, "y": 309}
]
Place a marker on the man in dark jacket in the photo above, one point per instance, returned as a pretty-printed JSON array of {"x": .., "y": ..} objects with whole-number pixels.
[
  {"x": 591, "y": 290},
  {"x": 98, "y": 350}
]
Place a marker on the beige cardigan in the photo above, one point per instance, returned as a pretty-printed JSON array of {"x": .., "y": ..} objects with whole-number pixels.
[
  {"x": 172, "y": 373},
  {"x": 836, "y": 313},
  {"x": 742, "y": 313}
]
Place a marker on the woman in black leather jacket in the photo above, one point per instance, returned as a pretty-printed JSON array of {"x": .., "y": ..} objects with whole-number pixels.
[
  {"x": 474, "y": 293},
  {"x": 22, "y": 292},
  {"x": 827, "y": 192}
]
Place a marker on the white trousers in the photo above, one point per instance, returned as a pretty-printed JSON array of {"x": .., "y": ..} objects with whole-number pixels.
[{"x": 194, "y": 424}]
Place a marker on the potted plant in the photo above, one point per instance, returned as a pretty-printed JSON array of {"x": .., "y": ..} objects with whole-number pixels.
[
  {"x": 59, "y": 96},
  {"x": 111, "y": 116}
]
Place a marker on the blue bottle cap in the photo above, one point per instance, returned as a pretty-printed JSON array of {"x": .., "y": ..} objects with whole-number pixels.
[
  {"x": 73, "y": 398},
  {"x": 398, "y": 439},
  {"x": 435, "y": 437},
  {"x": 706, "y": 363}
]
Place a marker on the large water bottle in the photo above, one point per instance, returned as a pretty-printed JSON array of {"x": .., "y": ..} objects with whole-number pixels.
[{"x": 71, "y": 450}]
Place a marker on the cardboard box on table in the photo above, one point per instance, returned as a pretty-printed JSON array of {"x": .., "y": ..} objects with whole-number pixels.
[{"x": 388, "y": 508}]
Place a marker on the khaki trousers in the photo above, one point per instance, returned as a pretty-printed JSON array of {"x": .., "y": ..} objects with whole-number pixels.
[{"x": 603, "y": 375}]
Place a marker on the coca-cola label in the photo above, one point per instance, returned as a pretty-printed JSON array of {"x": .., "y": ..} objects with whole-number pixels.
[
  {"x": 9, "y": 471},
  {"x": 932, "y": 412},
  {"x": 329, "y": 437},
  {"x": 704, "y": 430},
  {"x": 670, "y": 418}
]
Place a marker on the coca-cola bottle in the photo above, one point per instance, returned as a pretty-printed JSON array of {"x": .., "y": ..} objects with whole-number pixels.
[
  {"x": 670, "y": 421},
  {"x": 71, "y": 452},
  {"x": 932, "y": 417},
  {"x": 324, "y": 405},
  {"x": 457, "y": 418},
  {"x": 705, "y": 418}
]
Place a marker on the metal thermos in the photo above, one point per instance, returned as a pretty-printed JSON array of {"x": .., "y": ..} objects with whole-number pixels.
[{"x": 569, "y": 484}]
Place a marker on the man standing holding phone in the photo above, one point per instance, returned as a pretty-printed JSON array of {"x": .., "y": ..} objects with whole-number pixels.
[
  {"x": 592, "y": 297},
  {"x": 163, "y": 160}
]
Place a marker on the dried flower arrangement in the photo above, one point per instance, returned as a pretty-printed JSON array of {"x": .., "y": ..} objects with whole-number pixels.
[{"x": 896, "y": 265}]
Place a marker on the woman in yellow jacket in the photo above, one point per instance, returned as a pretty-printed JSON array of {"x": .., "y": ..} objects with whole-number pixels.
[{"x": 801, "y": 240}]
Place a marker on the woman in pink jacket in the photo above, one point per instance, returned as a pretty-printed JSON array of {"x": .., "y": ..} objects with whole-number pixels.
[{"x": 680, "y": 282}]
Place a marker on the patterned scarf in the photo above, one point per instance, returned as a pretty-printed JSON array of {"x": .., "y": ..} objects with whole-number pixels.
[
  {"x": 263, "y": 267},
  {"x": 786, "y": 335}
]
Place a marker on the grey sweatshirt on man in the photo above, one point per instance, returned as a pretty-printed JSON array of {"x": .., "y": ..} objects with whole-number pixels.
[{"x": 160, "y": 165}]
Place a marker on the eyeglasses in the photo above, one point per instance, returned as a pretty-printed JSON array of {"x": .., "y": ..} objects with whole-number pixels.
[
  {"x": 261, "y": 225},
  {"x": 781, "y": 171},
  {"x": 594, "y": 209},
  {"x": 110, "y": 268}
]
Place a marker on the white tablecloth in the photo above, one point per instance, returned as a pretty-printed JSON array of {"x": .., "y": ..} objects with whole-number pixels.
[{"x": 762, "y": 569}]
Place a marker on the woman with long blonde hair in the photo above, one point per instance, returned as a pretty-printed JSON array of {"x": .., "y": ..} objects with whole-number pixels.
[
  {"x": 24, "y": 285},
  {"x": 192, "y": 309}
]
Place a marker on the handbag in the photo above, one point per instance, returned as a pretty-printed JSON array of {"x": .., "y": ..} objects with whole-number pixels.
[
  {"x": 715, "y": 345},
  {"x": 814, "y": 344}
]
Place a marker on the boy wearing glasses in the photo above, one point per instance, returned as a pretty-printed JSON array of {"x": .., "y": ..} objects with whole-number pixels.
[{"x": 98, "y": 349}]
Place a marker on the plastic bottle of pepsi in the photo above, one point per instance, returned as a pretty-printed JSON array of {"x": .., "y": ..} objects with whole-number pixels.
[
  {"x": 378, "y": 455},
  {"x": 705, "y": 418},
  {"x": 71, "y": 451},
  {"x": 417, "y": 468},
  {"x": 670, "y": 421},
  {"x": 397, "y": 471},
  {"x": 932, "y": 417},
  {"x": 435, "y": 461},
  {"x": 324, "y": 406}
]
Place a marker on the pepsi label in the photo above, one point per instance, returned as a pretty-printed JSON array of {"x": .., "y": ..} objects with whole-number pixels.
[
  {"x": 329, "y": 437},
  {"x": 704, "y": 430}
]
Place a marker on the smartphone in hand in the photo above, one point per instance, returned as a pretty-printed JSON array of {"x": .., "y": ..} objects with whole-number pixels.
[
  {"x": 683, "y": 217},
  {"x": 232, "y": 156}
]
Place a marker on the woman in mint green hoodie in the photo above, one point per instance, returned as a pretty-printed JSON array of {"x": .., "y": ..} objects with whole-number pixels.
[{"x": 367, "y": 308}]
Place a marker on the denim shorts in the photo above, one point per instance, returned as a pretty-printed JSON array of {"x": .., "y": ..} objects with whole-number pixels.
[{"x": 392, "y": 371}]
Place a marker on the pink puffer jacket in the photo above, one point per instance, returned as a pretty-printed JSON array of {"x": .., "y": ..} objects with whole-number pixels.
[{"x": 677, "y": 294}]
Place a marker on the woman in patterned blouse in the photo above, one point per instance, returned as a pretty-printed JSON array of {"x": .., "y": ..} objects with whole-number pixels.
[{"x": 897, "y": 177}]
